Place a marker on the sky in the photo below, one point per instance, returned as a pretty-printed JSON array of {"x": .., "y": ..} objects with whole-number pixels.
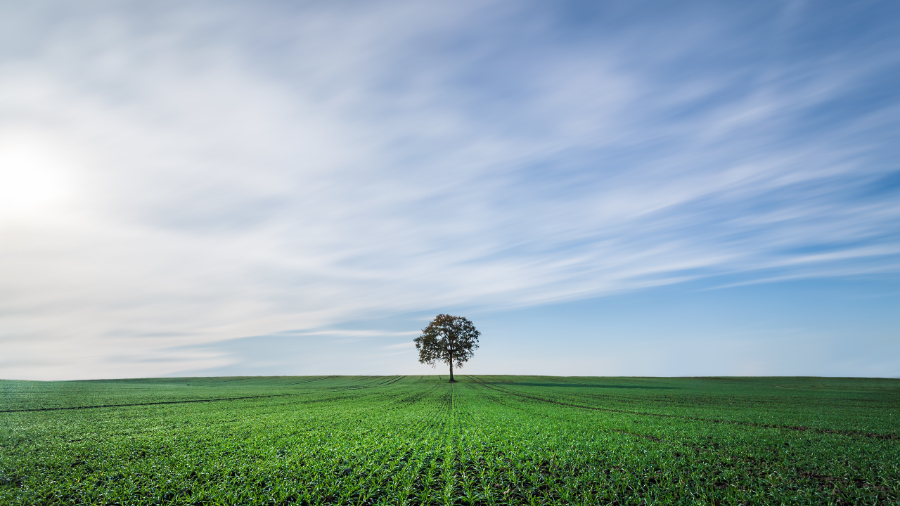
[{"x": 604, "y": 188}]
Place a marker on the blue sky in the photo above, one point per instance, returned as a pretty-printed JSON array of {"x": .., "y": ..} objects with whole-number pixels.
[{"x": 626, "y": 188}]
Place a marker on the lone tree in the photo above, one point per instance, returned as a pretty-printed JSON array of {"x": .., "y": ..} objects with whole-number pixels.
[{"x": 449, "y": 339}]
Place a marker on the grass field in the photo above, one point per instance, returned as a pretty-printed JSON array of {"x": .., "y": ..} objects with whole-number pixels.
[{"x": 420, "y": 440}]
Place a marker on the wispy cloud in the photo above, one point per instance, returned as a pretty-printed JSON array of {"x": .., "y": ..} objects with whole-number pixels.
[
  {"x": 184, "y": 174},
  {"x": 401, "y": 346}
]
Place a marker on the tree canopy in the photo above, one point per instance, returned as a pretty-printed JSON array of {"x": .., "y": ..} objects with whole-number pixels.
[{"x": 448, "y": 339}]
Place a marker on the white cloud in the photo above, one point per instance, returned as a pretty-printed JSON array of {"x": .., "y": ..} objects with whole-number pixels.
[
  {"x": 203, "y": 173},
  {"x": 400, "y": 346}
]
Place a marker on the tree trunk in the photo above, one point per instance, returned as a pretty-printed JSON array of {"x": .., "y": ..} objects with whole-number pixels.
[{"x": 450, "y": 350}]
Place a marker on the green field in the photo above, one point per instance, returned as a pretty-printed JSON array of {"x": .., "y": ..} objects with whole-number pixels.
[{"x": 421, "y": 440}]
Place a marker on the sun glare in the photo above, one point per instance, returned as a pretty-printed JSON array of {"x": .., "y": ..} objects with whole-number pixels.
[{"x": 33, "y": 176}]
